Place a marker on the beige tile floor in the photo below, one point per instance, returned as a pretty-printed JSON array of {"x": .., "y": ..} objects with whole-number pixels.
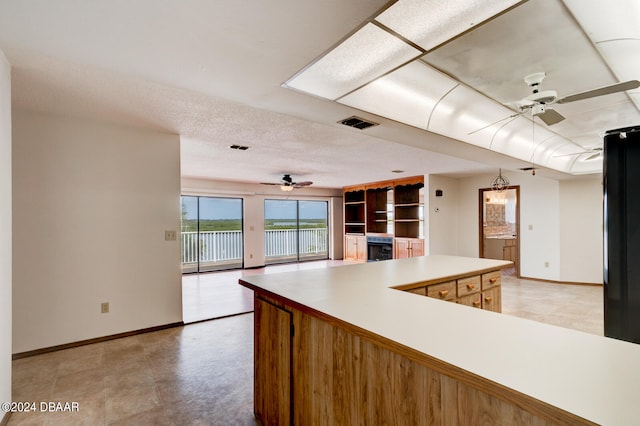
[
  {"x": 217, "y": 294},
  {"x": 202, "y": 373}
]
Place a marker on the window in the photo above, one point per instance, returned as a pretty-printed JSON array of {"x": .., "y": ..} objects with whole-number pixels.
[
  {"x": 295, "y": 230},
  {"x": 211, "y": 233}
]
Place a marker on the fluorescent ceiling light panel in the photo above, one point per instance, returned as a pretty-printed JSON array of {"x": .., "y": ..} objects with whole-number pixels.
[
  {"x": 431, "y": 23},
  {"x": 625, "y": 66},
  {"x": 363, "y": 57},
  {"x": 604, "y": 21},
  {"x": 464, "y": 112},
  {"x": 407, "y": 95},
  {"x": 615, "y": 30}
]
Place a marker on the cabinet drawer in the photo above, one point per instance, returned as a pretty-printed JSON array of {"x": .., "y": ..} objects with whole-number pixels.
[
  {"x": 491, "y": 279},
  {"x": 422, "y": 291},
  {"x": 473, "y": 300},
  {"x": 468, "y": 285},
  {"x": 491, "y": 300},
  {"x": 444, "y": 291}
]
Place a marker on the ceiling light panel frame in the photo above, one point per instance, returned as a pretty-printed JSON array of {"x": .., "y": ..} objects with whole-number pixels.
[
  {"x": 429, "y": 24},
  {"x": 363, "y": 57}
]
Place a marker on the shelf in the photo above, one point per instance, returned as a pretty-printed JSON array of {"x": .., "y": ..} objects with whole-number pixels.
[{"x": 384, "y": 207}]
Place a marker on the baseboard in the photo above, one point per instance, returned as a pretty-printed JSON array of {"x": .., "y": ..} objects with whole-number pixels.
[
  {"x": 559, "y": 282},
  {"x": 94, "y": 340},
  {"x": 5, "y": 419},
  {"x": 254, "y": 267}
]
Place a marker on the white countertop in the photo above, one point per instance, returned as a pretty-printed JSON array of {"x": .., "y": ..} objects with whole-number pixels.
[{"x": 594, "y": 377}]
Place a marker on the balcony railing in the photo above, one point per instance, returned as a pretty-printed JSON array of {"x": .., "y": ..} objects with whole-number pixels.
[{"x": 222, "y": 246}]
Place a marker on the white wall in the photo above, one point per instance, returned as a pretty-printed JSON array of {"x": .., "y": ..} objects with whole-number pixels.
[
  {"x": 565, "y": 219},
  {"x": 442, "y": 212},
  {"x": 5, "y": 230},
  {"x": 253, "y": 201},
  {"x": 539, "y": 222},
  {"x": 581, "y": 230},
  {"x": 91, "y": 203}
]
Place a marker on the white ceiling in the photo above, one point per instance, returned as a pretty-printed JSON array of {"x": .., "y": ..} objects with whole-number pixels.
[{"x": 212, "y": 71}]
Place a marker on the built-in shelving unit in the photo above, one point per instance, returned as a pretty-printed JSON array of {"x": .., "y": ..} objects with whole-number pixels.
[
  {"x": 378, "y": 213},
  {"x": 407, "y": 207},
  {"x": 354, "y": 212},
  {"x": 391, "y": 207}
]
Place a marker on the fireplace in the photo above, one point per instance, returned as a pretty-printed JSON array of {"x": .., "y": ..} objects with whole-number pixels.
[{"x": 379, "y": 248}]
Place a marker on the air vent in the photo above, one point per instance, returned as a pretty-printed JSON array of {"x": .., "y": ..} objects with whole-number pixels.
[
  {"x": 357, "y": 122},
  {"x": 240, "y": 147}
]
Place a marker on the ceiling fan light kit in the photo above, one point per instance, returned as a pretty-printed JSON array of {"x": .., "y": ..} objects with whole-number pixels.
[{"x": 287, "y": 184}]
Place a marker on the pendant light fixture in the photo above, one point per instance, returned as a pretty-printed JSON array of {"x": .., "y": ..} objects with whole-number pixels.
[{"x": 499, "y": 183}]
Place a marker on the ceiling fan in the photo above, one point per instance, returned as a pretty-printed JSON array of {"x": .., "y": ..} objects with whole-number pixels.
[
  {"x": 287, "y": 184},
  {"x": 539, "y": 101}
]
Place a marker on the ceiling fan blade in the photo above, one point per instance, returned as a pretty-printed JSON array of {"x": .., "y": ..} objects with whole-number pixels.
[
  {"x": 270, "y": 183},
  {"x": 573, "y": 153},
  {"x": 512, "y": 116},
  {"x": 301, "y": 184},
  {"x": 551, "y": 117},
  {"x": 607, "y": 90},
  {"x": 593, "y": 156}
]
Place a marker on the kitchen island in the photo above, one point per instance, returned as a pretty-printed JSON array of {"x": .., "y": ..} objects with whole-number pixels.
[{"x": 346, "y": 345}]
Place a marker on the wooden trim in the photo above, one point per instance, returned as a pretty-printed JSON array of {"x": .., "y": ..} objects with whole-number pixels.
[
  {"x": 34, "y": 352},
  {"x": 530, "y": 404},
  {"x": 448, "y": 278},
  {"x": 5, "y": 419},
  {"x": 481, "y": 192},
  {"x": 409, "y": 180},
  {"x": 560, "y": 282}
]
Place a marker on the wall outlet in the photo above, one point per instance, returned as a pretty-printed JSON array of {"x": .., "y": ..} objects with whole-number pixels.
[
  {"x": 546, "y": 264},
  {"x": 170, "y": 235},
  {"x": 104, "y": 307}
]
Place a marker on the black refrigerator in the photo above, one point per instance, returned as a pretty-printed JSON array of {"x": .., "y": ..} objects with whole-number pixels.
[{"x": 621, "y": 172}]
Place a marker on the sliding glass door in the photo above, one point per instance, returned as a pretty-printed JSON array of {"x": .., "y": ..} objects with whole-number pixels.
[
  {"x": 211, "y": 233},
  {"x": 295, "y": 230}
]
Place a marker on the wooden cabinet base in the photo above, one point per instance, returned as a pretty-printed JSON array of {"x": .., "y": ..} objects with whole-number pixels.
[{"x": 343, "y": 375}]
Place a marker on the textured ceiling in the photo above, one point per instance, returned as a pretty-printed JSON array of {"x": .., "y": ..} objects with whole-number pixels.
[{"x": 213, "y": 72}]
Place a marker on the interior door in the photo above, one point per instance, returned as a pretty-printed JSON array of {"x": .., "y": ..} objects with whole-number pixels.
[{"x": 499, "y": 224}]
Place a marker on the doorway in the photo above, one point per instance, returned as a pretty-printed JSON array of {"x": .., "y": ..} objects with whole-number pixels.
[
  {"x": 211, "y": 234},
  {"x": 499, "y": 220}
]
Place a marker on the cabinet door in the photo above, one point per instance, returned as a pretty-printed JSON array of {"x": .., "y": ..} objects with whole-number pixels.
[
  {"x": 272, "y": 364},
  {"x": 417, "y": 248},
  {"x": 361, "y": 249},
  {"x": 355, "y": 248},
  {"x": 350, "y": 247},
  {"x": 491, "y": 300},
  {"x": 401, "y": 248}
]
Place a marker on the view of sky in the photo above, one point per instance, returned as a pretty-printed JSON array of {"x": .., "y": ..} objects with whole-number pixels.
[{"x": 231, "y": 208}]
